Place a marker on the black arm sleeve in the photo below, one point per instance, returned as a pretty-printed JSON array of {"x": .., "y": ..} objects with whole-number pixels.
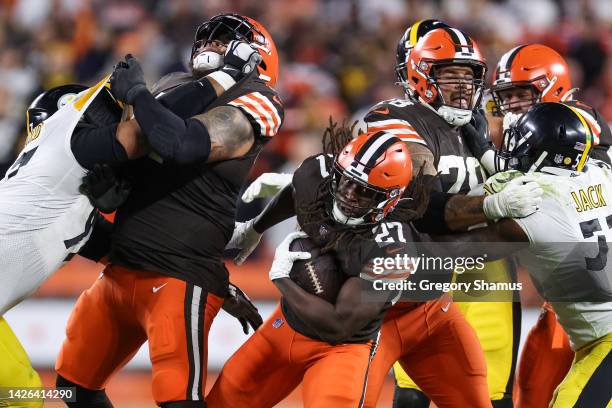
[
  {"x": 189, "y": 99},
  {"x": 433, "y": 221},
  {"x": 97, "y": 145},
  {"x": 173, "y": 138},
  {"x": 280, "y": 208},
  {"x": 99, "y": 242}
]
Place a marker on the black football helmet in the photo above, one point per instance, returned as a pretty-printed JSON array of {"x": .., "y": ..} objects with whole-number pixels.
[
  {"x": 102, "y": 111},
  {"x": 412, "y": 34},
  {"x": 548, "y": 134},
  {"x": 49, "y": 102}
]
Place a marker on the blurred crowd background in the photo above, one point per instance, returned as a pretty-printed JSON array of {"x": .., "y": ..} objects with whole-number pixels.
[{"x": 337, "y": 56}]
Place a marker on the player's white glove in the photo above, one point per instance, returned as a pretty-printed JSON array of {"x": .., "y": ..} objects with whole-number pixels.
[
  {"x": 284, "y": 258},
  {"x": 266, "y": 185},
  {"x": 499, "y": 181},
  {"x": 520, "y": 198},
  {"x": 244, "y": 238},
  {"x": 240, "y": 59}
]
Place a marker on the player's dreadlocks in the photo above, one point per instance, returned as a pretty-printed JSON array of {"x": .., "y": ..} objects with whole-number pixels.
[
  {"x": 317, "y": 212},
  {"x": 335, "y": 138}
]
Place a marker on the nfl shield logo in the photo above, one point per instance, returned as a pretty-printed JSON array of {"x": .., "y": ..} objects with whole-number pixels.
[
  {"x": 277, "y": 323},
  {"x": 323, "y": 230}
]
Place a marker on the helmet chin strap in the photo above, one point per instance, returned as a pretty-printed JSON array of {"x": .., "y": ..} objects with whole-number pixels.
[
  {"x": 537, "y": 163},
  {"x": 340, "y": 218},
  {"x": 454, "y": 116},
  {"x": 207, "y": 61}
]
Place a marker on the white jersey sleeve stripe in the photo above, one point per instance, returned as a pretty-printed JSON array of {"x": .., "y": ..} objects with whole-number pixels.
[
  {"x": 394, "y": 130},
  {"x": 252, "y": 112},
  {"x": 271, "y": 108},
  {"x": 388, "y": 122},
  {"x": 272, "y": 120},
  {"x": 412, "y": 139},
  {"x": 263, "y": 113}
]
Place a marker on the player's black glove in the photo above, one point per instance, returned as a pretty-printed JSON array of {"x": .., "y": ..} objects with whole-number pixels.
[
  {"x": 240, "y": 59},
  {"x": 104, "y": 190},
  {"x": 238, "y": 304},
  {"x": 127, "y": 80},
  {"x": 476, "y": 134}
]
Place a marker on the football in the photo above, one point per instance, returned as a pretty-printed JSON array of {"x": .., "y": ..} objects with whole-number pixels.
[{"x": 318, "y": 275}]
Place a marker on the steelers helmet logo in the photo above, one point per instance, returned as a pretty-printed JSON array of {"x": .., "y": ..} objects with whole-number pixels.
[
  {"x": 65, "y": 100},
  {"x": 490, "y": 106}
]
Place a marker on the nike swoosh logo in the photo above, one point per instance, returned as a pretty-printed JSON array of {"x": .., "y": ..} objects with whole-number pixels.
[
  {"x": 157, "y": 288},
  {"x": 384, "y": 111}
]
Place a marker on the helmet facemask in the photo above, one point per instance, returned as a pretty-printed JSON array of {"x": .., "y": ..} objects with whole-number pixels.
[
  {"x": 221, "y": 30},
  {"x": 464, "y": 93},
  {"x": 401, "y": 67},
  {"x": 515, "y": 153},
  {"x": 518, "y": 97},
  {"x": 356, "y": 202},
  {"x": 402, "y": 77}
]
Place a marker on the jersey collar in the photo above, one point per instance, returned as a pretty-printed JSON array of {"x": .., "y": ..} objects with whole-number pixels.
[{"x": 556, "y": 171}]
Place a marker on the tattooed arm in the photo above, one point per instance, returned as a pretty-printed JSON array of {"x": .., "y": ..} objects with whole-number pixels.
[
  {"x": 422, "y": 157},
  {"x": 231, "y": 133},
  {"x": 446, "y": 213},
  {"x": 462, "y": 212},
  {"x": 219, "y": 134}
]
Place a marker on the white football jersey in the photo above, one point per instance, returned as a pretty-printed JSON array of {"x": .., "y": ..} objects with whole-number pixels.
[
  {"x": 568, "y": 257},
  {"x": 43, "y": 218}
]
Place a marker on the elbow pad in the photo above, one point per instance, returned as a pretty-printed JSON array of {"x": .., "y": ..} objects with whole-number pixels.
[
  {"x": 173, "y": 138},
  {"x": 189, "y": 99}
]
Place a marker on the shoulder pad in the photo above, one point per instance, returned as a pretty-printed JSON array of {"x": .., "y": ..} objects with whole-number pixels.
[
  {"x": 263, "y": 108},
  {"x": 387, "y": 116}
]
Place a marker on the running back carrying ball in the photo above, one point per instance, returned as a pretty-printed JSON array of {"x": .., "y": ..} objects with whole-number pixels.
[{"x": 318, "y": 275}]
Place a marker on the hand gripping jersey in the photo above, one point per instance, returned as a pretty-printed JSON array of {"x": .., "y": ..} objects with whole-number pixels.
[
  {"x": 414, "y": 122},
  {"x": 568, "y": 253},
  {"x": 43, "y": 217},
  {"x": 178, "y": 218}
]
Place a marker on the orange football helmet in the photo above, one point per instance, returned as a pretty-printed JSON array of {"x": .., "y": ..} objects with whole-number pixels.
[
  {"x": 443, "y": 47},
  {"x": 369, "y": 176},
  {"x": 228, "y": 27},
  {"x": 533, "y": 66},
  {"x": 405, "y": 44}
]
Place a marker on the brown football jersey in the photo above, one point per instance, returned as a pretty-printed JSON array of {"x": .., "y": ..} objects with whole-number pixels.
[
  {"x": 413, "y": 122},
  {"x": 178, "y": 218}
]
